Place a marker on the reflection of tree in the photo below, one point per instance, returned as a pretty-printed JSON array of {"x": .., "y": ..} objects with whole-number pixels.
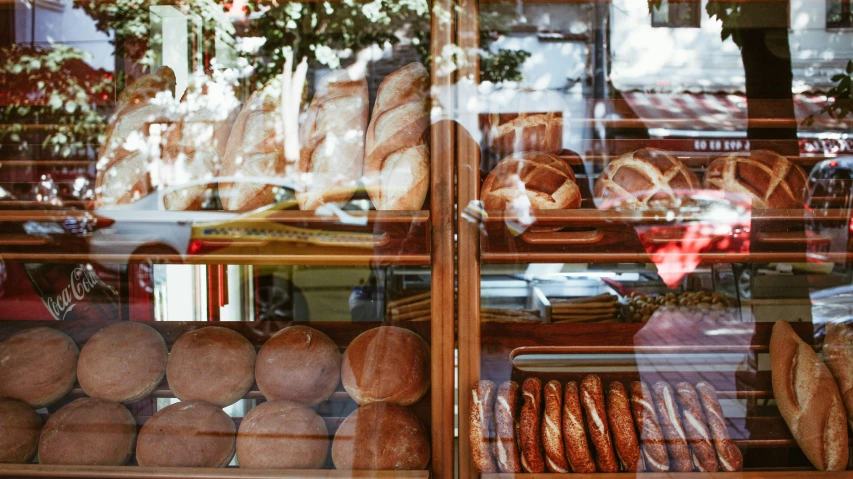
[
  {"x": 504, "y": 65},
  {"x": 760, "y": 30},
  {"x": 52, "y": 86},
  {"x": 840, "y": 97}
]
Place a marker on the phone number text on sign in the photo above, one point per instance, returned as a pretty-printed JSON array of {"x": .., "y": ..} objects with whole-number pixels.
[{"x": 720, "y": 145}]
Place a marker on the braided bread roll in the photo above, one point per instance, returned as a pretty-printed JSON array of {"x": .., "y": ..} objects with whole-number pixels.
[
  {"x": 331, "y": 139},
  {"x": 592, "y": 398},
  {"x": 195, "y": 143},
  {"x": 123, "y": 163},
  {"x": 646, "y": 419},
  {"x": 552, "y": 432},
  {"x": 396, "y": 164},
  {"x": 542, "y": 179},
  {"x": 480, "y": 426},
  {"x": 254, "y": 150},
  {"x": 529, "y": 426},
  {"x": 729, "y": 456},
  {"x": 696, "y": 427},
  {"x": 808, "y": 399},
  {"x": 770, "y": 180},
  {"x": 622, "y": 428},
  {"x": 673, "y": 431},
  {"x": 506, "y": 428},
  {"x": 642, "y": 179}
]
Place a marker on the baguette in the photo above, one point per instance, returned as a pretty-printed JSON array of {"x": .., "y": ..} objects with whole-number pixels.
[
  {"x": 622, "y": 427},
  {"x": 808, "y": 399},
  {"x": 506, "y": 431},
  {"x": 729, "y": 456},
  {"x": 592, "y": 398},
  {"x": 552, "y": 432},
  {"x": 696, "y": 428},
  {"x": 530, "y": 422},
  {"x": 673, "y": 432},
  {"x": 574, "y": 433},
  {"x": 481, "y": 411},
  {"x": 838, "y": 353},
  {"x": 331, "y": 156},
  {"x": 396, "y": 165},
  {"x": 123, "y": 168},
  {"x": 651, "y": 438}
]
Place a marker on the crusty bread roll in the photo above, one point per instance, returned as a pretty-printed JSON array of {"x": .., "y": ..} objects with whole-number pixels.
[
  {"x": 574, "y": 433},
  {"x": 506, "y": 437},
  {"x": 838, "y": 353},
  {"x": 298, "y": 364},
  {"x": 381, "y": 436},
  {"x": 507, "y": 133},
  {"x": 211, "y": 364},
  {"x": 540, "y": 179},
  {"x": 480, "y": 423},
  {"x": 123, "y": 362},
  {"x": 592, "y": 398},
  {"x": 386, "y": 364},
  {"x": 282, "y": 435},
  {"x": 88, "y": 431},
  {"x": 123, "y": 166},
  {"x": 195, "y": 143},
  {"x": 20, "y": 427},
  {"x": 39, "y": 366},
  {"x": 652, "y": 442},
  {"x": 396, "y": 164},
  {"x": 728, "y": 454},
  {"x": 530, "y": 422},
  {"x": 696, "y": 427},
  {"x": 255, "y": 149},
  {"x": 331, "y": 140},
  {"x": 808, "y": 399},
  {"x": 552, "y": 431},
  {"x": 641, "y": 179},
  {"x": 622, "y": 427},
  {"x": 768, "y": 179},
  {"x": 187, "y": 434},
  {"x": 673, "y": 431}
]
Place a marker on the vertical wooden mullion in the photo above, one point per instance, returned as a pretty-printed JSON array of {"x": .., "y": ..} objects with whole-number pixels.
[
  {"x": 441, "y": 251},
  {"x": 468, "y": 178}
]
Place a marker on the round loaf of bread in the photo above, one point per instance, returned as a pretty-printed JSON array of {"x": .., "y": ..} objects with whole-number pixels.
[
  {"x": 90, "y": 432},
  {"x": 211, "y": 364},
  {"x": 20, "y": 427},
  {"x": 514, "y": 132},
  {"x": 543, "y": 180},
  {"x": 768, "y": 179},
  {"x": 381, "y": 436},
  {"x": 39, "y": 366},
  {"x": 298, "y": 364},
  {"x": 386, "y": 364},
  {"x": 643, "y": 178},
  {"x": 123, "y": 362},
  {"x": 282, "y": 435},
  {"x": 187, "y": 434}
]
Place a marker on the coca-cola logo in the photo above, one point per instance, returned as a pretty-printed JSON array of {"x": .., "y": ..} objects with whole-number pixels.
[{"x": 82, "y": 282}]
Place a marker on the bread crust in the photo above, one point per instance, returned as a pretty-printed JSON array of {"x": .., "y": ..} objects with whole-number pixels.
[
  {"x": 622, "y": 428},
  {"x": 515, "y": 132},
  {"x": 506, "y": 431},
  {"x": 838, "y": 353},
  {"x": 529, "y": 423},
  {"x": 481, "y": 411},
  {"x": 592, "y": 398},
  {"x": 808, "y": 399},
  {"x": 651, "y": 437},
  {"x": 673, "y": 431},
  {"x": 282, "y": 435},
  {"x": 765, "y": 177},
  {"x": 543, "y": 179},
  {"x": 20, "y": 427},
  {"x": 574, "y": 433},
  {"x": 696, "y": 428},
  {"x": 728, "y": 454},
  {"x": 641, "y": 179},
  {"x": 552, "y": 431},
  {"x": 88, "y": 431},
  {"x": 396, "y": 163},
  {"x": 39, "y": 366}
]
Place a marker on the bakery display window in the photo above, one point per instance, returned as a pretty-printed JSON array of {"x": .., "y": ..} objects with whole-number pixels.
[
  {"x": 654, "y": 231},
  {"x": 222, "y": 225}
]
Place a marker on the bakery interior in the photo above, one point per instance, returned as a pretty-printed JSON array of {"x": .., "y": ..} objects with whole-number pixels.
[{"x": 438, "y": 239}]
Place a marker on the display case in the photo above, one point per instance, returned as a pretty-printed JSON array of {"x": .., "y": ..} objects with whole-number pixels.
[
  {"x": 632, "y": 163},
  {"x": 199, "y": 177}
]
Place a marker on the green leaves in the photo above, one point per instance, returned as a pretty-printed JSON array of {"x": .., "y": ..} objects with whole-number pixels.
[{"x": 839, "y": 98}]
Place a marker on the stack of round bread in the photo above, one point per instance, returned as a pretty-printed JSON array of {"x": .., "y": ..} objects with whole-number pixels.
[{"x": 579, "y": 428}]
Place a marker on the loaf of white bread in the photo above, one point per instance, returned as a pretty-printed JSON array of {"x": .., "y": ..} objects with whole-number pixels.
[
  {"x": 396, "y": 165},
  {"x": 838, "y": 353},
  {"x": 331, "y": 140},
  {"x": 124, "y": 160},
  {"x": 808, "y": 399},
  {"x": 255, "y": 151},
  {"x": 195, "y": 143}
]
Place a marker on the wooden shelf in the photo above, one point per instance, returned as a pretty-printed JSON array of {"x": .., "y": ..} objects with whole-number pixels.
[
  {"x": 757, "y": 474},
  {"x": 130, "y": 472}
]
